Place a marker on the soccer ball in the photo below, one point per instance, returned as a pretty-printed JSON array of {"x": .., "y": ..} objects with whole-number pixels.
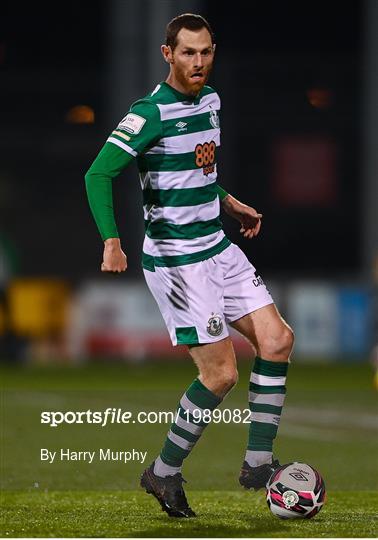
[{"x": 295, "y": 490}]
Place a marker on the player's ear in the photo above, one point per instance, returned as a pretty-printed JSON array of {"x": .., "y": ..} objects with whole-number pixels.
[
  {"x": 166, "y": 51},
  {"x": 214, "y": 47}
]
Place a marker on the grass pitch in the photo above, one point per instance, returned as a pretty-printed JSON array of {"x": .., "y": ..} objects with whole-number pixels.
[
  {"x": 220, "y": 514},
  {"x": 329, "y": 421}
]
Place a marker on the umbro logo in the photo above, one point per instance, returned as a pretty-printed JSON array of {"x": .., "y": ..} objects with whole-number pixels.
[
  {"x": 299, "y": 476},
  {"x": 181, "y": 126}
]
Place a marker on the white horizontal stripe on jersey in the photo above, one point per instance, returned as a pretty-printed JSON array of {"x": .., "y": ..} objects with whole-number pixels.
[
  {"x": 181, "y": 215},
  {"x": 177, "y": 246},
  {"x": 122, "y": 145},
  {"x": 181, "y": 109},
  {"x": 176, "y": 179},
  {"x": 181, "y": 144},
  {"x": 264, "y": 380}
]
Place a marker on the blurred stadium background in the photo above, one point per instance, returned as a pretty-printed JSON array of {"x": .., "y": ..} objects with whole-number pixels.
[
  {"x": 299, "y": 87},
  {"x": 300, "y": 133},
  {"x": 299, "y": 90}
]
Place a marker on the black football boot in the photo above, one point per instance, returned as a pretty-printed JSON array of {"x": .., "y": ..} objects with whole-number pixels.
[
  {"x": 168, "y": 491},
  {"x": 257, "y": 477}
]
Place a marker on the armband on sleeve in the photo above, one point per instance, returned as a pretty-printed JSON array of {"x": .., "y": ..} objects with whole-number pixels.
[{"x": 135, "y": 133}]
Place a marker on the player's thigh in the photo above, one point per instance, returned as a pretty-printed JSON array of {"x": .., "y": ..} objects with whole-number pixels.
[{"x": 267, "y": 330}]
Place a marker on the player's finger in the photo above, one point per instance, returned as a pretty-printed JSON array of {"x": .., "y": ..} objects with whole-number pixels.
[{"x": 255, "y": 217}]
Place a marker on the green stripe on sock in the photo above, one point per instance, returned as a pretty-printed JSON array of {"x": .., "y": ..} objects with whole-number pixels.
[
  {"x": 184, "y": 434},
  {"x": 263, "y": 429},
  {"x": 267, "y": 389},
  {"x": 261, "y": 436},
  {"x": 269, "y": 368},
  {"x": 260, "y": 443},
  {"x": 202, "y": 396},
  {"x": 172, "y": 454},
  {"x": 266, "y": 408}
]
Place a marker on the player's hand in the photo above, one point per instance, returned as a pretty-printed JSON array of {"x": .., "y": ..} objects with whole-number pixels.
[
  {"x": 248, "y": 217},
  {"x": 114, "y": 259}
]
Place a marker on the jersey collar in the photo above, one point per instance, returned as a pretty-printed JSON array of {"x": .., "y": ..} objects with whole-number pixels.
[{"x": 183, "y": 97}]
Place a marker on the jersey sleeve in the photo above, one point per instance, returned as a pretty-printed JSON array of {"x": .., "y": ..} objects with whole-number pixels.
[
  {"x": 222, "y": 193},
  {"x": 136, "y": 132},
  {"x": 139, "y": 129}
]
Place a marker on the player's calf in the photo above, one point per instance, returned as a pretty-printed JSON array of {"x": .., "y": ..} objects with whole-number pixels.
[{"x": 267, "y": 390}]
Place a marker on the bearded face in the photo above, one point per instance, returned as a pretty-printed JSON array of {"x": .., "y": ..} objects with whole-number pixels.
[{"x": 191, "y": 60}]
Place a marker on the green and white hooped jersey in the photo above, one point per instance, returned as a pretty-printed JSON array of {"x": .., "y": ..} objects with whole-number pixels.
[{"x": 175, "y": 140}]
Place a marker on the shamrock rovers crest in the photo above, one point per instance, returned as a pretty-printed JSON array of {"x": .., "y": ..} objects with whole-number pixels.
[
  {"x": 214, "y": 119},
  {"x": 214, "y": 325}
]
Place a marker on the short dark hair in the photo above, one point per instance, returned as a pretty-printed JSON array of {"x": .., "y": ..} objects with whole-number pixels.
[{"x": 190, "y": 21}]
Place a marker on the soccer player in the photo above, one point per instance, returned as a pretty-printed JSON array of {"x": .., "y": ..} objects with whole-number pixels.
[{"x": 200, "y": 280}]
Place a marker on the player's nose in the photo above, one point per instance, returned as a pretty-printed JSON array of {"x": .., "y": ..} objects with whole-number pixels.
[{"x": 198, "y": 60}]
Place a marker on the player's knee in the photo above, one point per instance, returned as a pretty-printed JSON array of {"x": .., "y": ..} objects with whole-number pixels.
[
  {"x": 278, "y": 346},
  {"x": 229, "y": 378},
  {"x": 225, "y": 382},
  {"x": 288, "y": 339},
  {"x": 222, "y": 380}
]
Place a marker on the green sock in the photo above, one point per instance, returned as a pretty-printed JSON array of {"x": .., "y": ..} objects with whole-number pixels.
[
  {"x": 266, "y": 398},
  {"x": 185, "y": 431}
]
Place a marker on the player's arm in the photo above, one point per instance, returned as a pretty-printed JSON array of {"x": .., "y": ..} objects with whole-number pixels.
[
  {"x": 247, "y": 216},
  {"x": 134, "y": 133},
  {"x": 108, "y": 164}
]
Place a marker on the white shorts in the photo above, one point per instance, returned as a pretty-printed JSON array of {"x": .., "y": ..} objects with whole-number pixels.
[{"x": 198, "y": 300}]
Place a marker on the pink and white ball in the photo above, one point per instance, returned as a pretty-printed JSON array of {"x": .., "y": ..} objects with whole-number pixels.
[{"x": 295, "y": 490}]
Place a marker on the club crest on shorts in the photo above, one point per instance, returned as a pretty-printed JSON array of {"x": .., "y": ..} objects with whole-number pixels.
[{"x": 214, "y": 325}]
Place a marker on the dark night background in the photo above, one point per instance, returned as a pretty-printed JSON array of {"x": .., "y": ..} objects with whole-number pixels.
[
  {"x": 298, "y": 82},
  {"x": 269, "y": 57}
]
